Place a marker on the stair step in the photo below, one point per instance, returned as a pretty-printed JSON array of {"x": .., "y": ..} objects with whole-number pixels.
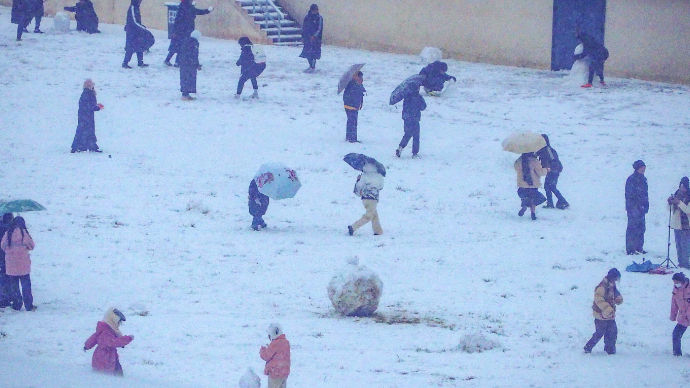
[
  {"x": 284, "y": 31},
  {"x": 287, "y": 38},
  {"x": 275, "y": 23}
]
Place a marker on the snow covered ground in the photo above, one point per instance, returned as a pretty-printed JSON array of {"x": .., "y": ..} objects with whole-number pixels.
[{"x": 157, "y": 225}]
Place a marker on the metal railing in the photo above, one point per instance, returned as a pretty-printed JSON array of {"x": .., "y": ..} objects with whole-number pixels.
[{"x": 266, "y": 7}]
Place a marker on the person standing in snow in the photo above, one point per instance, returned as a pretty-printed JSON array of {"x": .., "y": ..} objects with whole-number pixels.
[
  {"x": 85, "y": 137},
  {"x": 136, "y": 37},
  {"x": 17, "y": 243},
  {"x": 107, "y": 339},
  {"x": 549, "y": 159},
  {"x": 258, "y": 204},
  {"x": 277, "y": 357},
  {"x": 679, "y": 204},
  {"x": 183, "y": 27},
  {"x": 188, "y": 57},
  {"x": 636, "y": 205},
  {"x": 312, "y": 35},
  {"x": 36, "y": 11},
  {"x": 435, "y": 77},
  {"x": 529, "y": 172},
  {"x": 680, "y": 309},
  {"x": 367, "y": 187},
  {"x": 413, "y": 105},
  {"x": 85, "y": 15},
  {"x": 596, "y": 53},
  {"x": 21, "y": 15},
  {"x": 353, "y": 98},
  {"x": 249, "y": 68},
  {"x": 5, "y": 296},
  {"x": 606, "y": 297}
]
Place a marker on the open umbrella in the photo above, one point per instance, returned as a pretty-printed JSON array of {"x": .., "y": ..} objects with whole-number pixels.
[
  {"x": 406, "y": 87},
  {"x": 347, "y": 76},
  {"x": 277, "y": 181},
  {"x": 357, "y": 161},
  {"x": 19, "y": 206},
  {"x": 523, "y": 142}
]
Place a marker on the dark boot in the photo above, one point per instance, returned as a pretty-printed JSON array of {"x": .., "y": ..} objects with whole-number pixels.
[{"x": 562, "y": 205}]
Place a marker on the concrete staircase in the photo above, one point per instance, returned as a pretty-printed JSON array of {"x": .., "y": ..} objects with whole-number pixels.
[{"x": 268, "y": 20}]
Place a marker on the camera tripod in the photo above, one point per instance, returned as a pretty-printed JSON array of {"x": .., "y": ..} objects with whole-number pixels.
[{"x": 668, "y": 262}]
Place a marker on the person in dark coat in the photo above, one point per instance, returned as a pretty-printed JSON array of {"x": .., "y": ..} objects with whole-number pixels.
[
  {"x": 636, "y": 205},
  {"x": 183, "y": 27},
  {"x": 139, "y": 39},
  {"x": 435, "y": 77},
  {"x": 312, "y": 35},
  {"x": 413, "y": 105},
  {"x": 85, "y": 138},
  {"x": 189, "y": 65},
  {"x": 258, "y": 204},
  {"x": 249, "y": 68},
  {"x": 21, "y": 15},
  {"x": 596, "y": 53},
  {"x": 85, "y": 15},
  {"x": 606, "y": 298},
  {"x": 35, "y": 11},
  {"x": 5, "y": 298},
  {"x": 549, "y": 160},
  {"x": 353, "y": 98}
]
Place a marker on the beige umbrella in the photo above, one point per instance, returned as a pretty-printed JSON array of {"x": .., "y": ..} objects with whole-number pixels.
[{"x": 523, "y": 142}]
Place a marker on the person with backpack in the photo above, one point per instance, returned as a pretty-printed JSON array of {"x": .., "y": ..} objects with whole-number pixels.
[
  {"x": 5, "y": 299},
  {"x": 679, "y": 206},
  {"x": 413, "y": 105},
  {"x": 85, "y": 15},
  {"x": 353, "y": 98},
  {"x": 183, "y": 27},
  {"x": 369, "y": 184},
  {"x": 107, "y": 339},
  {"x": 596, "y": 53},
  {"x": 252, "y": 63},
  {"x": 258, "y": 204},
  {"x": 606, "y": 297},
  {"x": 85, "y": 137},
  {"x": 189, "y": 65},
  {"x": 312, "y": 35},
  {"x": 680, "y": 309},
  {"x": 17, "y": 243},
  {"x": 549, "y": 160}
]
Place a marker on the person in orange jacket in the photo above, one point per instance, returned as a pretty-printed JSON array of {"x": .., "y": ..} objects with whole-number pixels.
[{"x": 277, "y": 357}]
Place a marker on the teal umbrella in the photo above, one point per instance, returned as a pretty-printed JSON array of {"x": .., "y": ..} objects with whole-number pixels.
[{"x": 19, "y": 206}]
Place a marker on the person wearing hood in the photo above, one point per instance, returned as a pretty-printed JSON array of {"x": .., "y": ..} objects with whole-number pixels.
[
  {"x": 85, "y": 137},
  {"x": 367, "y": 187},
  {"x": 312, "y": 35},
  {"x": 5, "y": 296},
  {"x": 353, "y": 98},
  {"x": 136, "y": 36},
  {"x": 436, "y": 76},
  {"x": 85, "y": 15},
  {"x": 17, "y": 243},
  {"x": 107, "y": 339},
  {"x": 188, "y": 58},
  {"x": 606, "y": 298},
  {"x": 596, "y": 54},
  {"x": 249, "y": 67},
  {"x": 258, "y": 204},
  {"x": 413, "y": 105},
  {"x": 679, "y": 205},
  {"x": 183, "y": 27},
  {"x": 277, "y": 357},
  {"x": 529, "y": 172},
  {"x": 636, "y": 205},
  {"x": 549, "y": 159},
  {"x": 680, "y": 309}
]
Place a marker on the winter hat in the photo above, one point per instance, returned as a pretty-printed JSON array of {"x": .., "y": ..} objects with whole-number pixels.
[
  {"x": 196, "y": 34},
  {"x": 685, "y": 182},
  {"x": 638, "y": 164},
  {"x": 313, "y": 7},
  {"x": 88, "y": 84},
  {"x": 274, "y": 331},
  {"x": 244, "y": 41},
  {"x": 113, "y": 317},
  {"x": 678, "y": 277},
  {"x": 613, "y": 274}
]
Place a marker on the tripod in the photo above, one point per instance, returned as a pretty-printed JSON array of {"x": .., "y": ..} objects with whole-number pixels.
[{"x": 668, "y": 262}]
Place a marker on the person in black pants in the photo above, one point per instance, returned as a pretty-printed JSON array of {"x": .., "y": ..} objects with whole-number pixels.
[
  {"x": 413, "y": 105},
  {"x": 21, "y": 14},
  {"x": 312, "y": 35},
  {"x": 5, "y": 299},
  {"x": 636, "y": 205},
  {"x": 597, "y": 55},
  {"x": 249, "y": 68},
  {"x": 606, "y": 297},
  {"x": 549, "y": 159},
  {"x": 85, "y": 15},
  {"x": 189, "y": 65},
  {"x": 258, "y": 204},
  {"x": 353, "y": 97},
  {"x": 183, "y": 27},
  {"x": 136, "y": 36}
]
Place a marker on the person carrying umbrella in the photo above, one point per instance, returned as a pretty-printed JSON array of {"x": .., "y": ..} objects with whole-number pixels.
[
  {"x": 549, "y": 159},
  {"x": 413, "y": 105},
  {"x": 529, "y": 173},
  {"x": 367, "y": 187},
  {"x": 258, "y": 204},
  {"x": 353, "y": 98},
  {"x": 17, "y": 243}
]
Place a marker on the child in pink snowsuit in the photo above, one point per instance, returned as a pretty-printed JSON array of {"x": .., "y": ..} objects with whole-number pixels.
[
  {"x": 108, "y": 338},
  {"x": 277, "y": 357}
]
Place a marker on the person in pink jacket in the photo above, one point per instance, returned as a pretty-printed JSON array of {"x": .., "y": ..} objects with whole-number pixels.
[
  {"x": 108, "y": 338},
  {"x": 680, "y": 309},
  {"x": 17, "y": 243},
  {"x": 277, "y": 357}
]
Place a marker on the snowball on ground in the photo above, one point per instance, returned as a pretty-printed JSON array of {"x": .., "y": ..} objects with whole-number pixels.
[
  {"x": 61, "y": 23},
  {"x": 430, "y": 54},
  {"x": 355, "y": 291}
]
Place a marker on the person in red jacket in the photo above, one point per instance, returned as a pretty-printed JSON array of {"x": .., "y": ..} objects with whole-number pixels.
[
  {"x": 277, "y": 357},
  {"x": 680, "y": 309},
  {"x": 108, "y": 338}
]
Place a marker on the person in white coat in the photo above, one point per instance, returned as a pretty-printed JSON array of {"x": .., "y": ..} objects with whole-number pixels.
[
  {"x": 679, "y": 205},
  {"x": 368, "y": 185}
]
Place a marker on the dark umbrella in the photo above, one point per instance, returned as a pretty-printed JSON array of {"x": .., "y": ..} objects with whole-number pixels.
[
  {"x": 357, "y": 161},
  {"x": 406, "y": 87},
  {"x": 19, "y": 206},
  {"x": 347, "y": 76}
]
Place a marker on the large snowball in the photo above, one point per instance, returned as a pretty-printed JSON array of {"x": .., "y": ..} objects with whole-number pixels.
[
  {"x": 430, "y": 54},
  {"x": 61, "y": 23},
  {"x": 355, "y": 290}
]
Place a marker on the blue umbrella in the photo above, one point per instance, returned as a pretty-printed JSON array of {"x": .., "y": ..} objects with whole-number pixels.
[
  {"x": 357, "y": 161},
  {"x": 277, "y": 181},
  {"x": 406, "y": 87}
]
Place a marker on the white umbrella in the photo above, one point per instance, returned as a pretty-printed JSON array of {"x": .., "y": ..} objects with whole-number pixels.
[{"x": 523, "y": 142}]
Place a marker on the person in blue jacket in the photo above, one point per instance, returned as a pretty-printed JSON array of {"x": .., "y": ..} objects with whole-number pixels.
[
  {"x": 249, "y": 68},
  {"x": 353, "y": 98},
  {"x": 413, "y": 105},
  {"x": 258, "y": 204},
  {"x": 435, "y": 77},
  {"x": 183, "y": 27},
  {"x": 637, "y": 206},
  {"x": 597, "y": 55},
  {"x": 85, "y": 15}
]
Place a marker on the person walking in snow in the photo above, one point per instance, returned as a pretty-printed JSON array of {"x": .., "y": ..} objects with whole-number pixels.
[
  {"x": 636, "y": 205},
  {"x": 680, "y": 309},
  {"x": 353, "y": 98},
  {"x": 367, "y": 187},
  {"x": 85, "y": 15},
  {"x": 21, "y": 15},
  {"x": 85, "y": 137},
  {"x": 312, "y": 35},
  {"x": 137, "y": 36},
  {"x": 17, "y": 243},
  {"x": 435, "y": 77},
  {"x": 249, "y": 67},
  {"x": 183, "y": 27},
  {"x": 36, "y": 12},
  {"x": 277, "y": 357},
  {"x": 679, "y": 205},
  {"x": 549, "y": 159},
  {"x": 606, "y": 297},
  {"x": 413, "y": 105},
  {"x": 258, "y": 204},
  {"x": 107, "y": 339},
  {"x": 596, "y": 53},
  {"x": 5, "y": 296},
  {"x": 188, "y": 58},
  {"x": 529, "y": 172}
]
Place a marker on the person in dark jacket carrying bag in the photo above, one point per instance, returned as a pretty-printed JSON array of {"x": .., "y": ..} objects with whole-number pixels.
[
  {"x": 413, "y": 105},
  {"x": 636, "y": 205},
  {"x": 85, "y": 15},
  {"x": 183, "y": 27},
  {"x": 597, "y": 55},
  {"x": 549, "y": 159},
  {"x": 138, "y": 38},
  {"x": 353, "y": 98},
  {"x": 312, "y": 35},
  {"x": 189, "y": 65},
  {"x": 85, "y": 138},
  {"x": 249, "y": 67},
  {"x": 258, "y": 204}
]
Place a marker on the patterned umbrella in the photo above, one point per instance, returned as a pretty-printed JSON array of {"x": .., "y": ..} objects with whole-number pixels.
[
  {"x": 19, "y": 206},
  {"x": 277, "y": 181},
  {"x": 357, "y": 161}
]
